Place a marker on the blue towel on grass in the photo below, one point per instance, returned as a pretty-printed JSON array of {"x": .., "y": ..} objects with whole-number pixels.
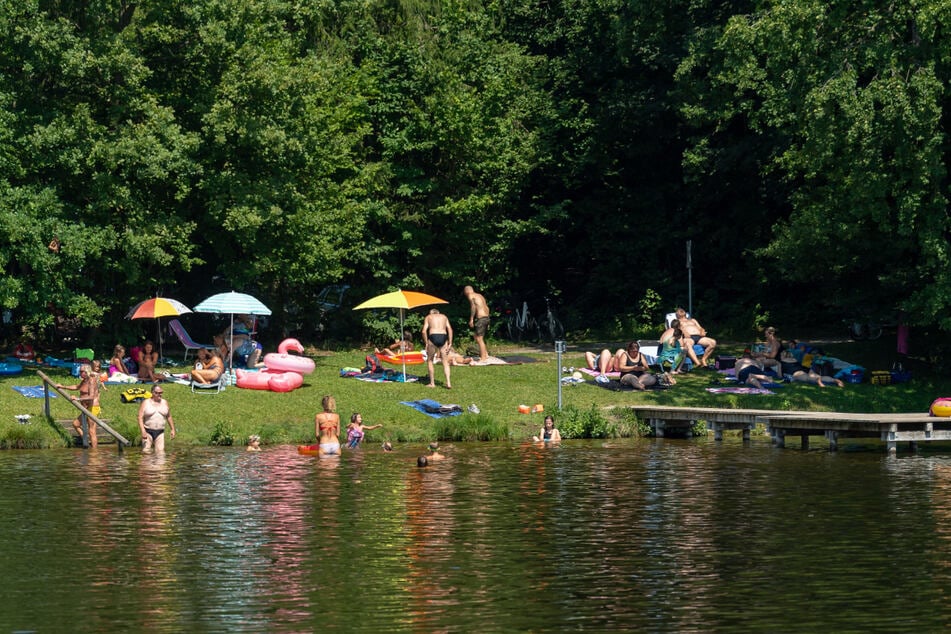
[
  {"x": 433, "y": 408},
  {"x": 32, "y": 391}
]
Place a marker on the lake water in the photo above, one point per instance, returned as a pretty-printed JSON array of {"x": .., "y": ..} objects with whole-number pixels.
[{"x": 656, "y": 535}]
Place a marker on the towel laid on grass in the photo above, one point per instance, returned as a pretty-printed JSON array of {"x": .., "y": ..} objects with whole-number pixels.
[
  {"x": 33, "y": 391},
  {"x": 383, "y": 377},
  {"x": 617, "y": 386},
  {"x": 433, "y": 408},
  {"x": 739, "y": 390},
  {"x": 590, "y": 372}
]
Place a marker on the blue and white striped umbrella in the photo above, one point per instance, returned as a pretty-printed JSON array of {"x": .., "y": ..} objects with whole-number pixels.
[{"x": 234, "y": 304}]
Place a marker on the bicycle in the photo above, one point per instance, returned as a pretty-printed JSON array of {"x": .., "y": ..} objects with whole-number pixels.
[
  {"x": 863, "y": 330},
  {"x": 520, "y": 323},
  {"x": 550, "y": 324}
]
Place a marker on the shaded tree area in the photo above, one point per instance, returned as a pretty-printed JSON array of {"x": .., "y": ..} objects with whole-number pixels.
[{"x": 526, "y": 148}]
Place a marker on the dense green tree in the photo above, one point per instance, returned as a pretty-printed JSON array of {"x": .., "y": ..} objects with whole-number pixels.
[{"x": 846, "y": 99}]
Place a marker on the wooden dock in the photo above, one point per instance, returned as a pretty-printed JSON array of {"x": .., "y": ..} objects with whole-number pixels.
[{"x": 890, "y": 428}]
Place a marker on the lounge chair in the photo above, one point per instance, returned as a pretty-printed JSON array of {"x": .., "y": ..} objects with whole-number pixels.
[
  {"x": 177, "y": 329},
  {"x": 214, "y": 387}
]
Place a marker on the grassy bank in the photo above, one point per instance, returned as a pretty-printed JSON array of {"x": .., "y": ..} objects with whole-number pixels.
[{"x": 229, "y": 417}]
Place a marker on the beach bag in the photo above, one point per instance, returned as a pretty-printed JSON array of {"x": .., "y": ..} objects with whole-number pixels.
[
  {"x": 373, "y": 364},
  {"x": 899, "y": 373},
  {"x": 823, "y": 368},
  {"x": 134, "y": 395},
  {"x": 725, "y": 362}
]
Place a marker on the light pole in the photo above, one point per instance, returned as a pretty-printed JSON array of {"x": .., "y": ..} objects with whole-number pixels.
[{"x": 559, "y": 348}]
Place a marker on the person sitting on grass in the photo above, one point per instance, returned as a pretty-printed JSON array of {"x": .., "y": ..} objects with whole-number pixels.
[
  {"x": 634, "y": 369},
  {"x": 399, "y": 346},
  {"x": 602, "y": 362}
]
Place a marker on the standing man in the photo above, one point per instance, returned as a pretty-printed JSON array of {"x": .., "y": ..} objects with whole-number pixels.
[
  {"x": 696, "y": 335},
  {"x": 478, "y": 319},
  {"x": 154, "y": 413},
  {"x": 437, "y": 335}
]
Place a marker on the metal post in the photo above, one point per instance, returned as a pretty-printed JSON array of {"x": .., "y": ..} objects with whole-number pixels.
[
  {"x": 689, "y": 278},
  {"x": 559, "y": 348}
]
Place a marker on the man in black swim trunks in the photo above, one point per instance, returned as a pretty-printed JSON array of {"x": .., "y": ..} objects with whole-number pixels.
[
  {"x": 478, "y": 319},
  {"x": 437, "y": 335}
]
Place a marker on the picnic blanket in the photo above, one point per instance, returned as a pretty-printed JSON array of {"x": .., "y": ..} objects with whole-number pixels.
[
  {"x": 387, "y": 376},
  {"x": 736, "y": 389},
  {"x": 433, "y": 408},
  {"x": 506, "y": 360},
  {"x": 33, "y": 391}
]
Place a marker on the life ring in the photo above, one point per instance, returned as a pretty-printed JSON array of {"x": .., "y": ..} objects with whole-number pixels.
[
  {"x": 941, "y": 407},
  {"x": 409, "y": 358}
]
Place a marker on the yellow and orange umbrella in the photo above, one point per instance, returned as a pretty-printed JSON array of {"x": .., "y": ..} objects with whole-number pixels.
[{"x": 403, "y": 300}]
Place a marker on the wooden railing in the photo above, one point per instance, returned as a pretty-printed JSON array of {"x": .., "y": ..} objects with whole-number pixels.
[{"x": 85, "y": 416}]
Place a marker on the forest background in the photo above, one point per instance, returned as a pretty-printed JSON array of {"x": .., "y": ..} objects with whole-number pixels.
[{"x": 566, "y": 149}]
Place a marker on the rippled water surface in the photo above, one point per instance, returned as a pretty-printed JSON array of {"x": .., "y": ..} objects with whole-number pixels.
[{"x": 651, "y": 535}]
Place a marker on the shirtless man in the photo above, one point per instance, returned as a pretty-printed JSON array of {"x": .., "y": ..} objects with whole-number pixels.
[
  {"x": 437, "y": 336},
  {"x": 750, "y": 371},
  {"x": 154, "y": 415},
  {"x": 694, "y": 331},
  {"x": 478, "y": 319}
]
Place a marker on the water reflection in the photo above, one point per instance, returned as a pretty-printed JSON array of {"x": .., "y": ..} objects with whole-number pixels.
[{"x": 660, "y": 535}]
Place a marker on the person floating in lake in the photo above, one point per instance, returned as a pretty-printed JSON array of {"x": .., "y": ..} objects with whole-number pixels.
[
  {"x": 356, "y": 430},
  {"x": 434, "y": 454},
  {"x": 254, "y": 443},
  {"x": 548, "y": 433}
]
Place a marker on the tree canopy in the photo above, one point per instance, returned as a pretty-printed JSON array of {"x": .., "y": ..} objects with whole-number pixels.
[{"x": 569, "y": 147}]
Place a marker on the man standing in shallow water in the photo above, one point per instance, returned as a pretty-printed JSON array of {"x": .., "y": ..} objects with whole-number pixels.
[{"x": 478, "y": 319}]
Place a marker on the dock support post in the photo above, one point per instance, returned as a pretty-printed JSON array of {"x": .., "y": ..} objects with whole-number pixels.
[
  {"x": 779, "y": 437},
  {"x": 746, "y": 434},
  {"x": 833, "y": 437},
  {"x": 717, "y": 431},
  {"x": 805, "y": 441}
]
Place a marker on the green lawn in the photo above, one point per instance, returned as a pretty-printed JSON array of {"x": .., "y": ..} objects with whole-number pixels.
[{"x": 231, "y": 416}]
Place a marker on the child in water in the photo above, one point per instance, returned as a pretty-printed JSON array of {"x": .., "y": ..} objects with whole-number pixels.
[
  {"x": 254, "y": 443},
  {"x": 356, "y": 429}
]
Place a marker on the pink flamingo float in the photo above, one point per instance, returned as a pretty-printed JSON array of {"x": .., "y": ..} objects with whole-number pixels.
[{"x": 285, "y": 371}]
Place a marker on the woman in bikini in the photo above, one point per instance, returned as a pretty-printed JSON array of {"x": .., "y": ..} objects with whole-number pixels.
[
  {"x": 327, "y": 428},
  {"x": 633, "y": 367},
  {"x": 148, "y": 359},
  {"x": 88, "y": 389},
  {"x": 208, "y": 368}
]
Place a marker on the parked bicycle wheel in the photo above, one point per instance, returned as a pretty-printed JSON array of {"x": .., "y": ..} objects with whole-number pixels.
[{"x": 554, "y": 328}]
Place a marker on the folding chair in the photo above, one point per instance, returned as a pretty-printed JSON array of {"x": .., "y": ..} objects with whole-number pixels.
[
  {"x": 214, "y": 387},
  {"x": 177, "y": 329}
]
